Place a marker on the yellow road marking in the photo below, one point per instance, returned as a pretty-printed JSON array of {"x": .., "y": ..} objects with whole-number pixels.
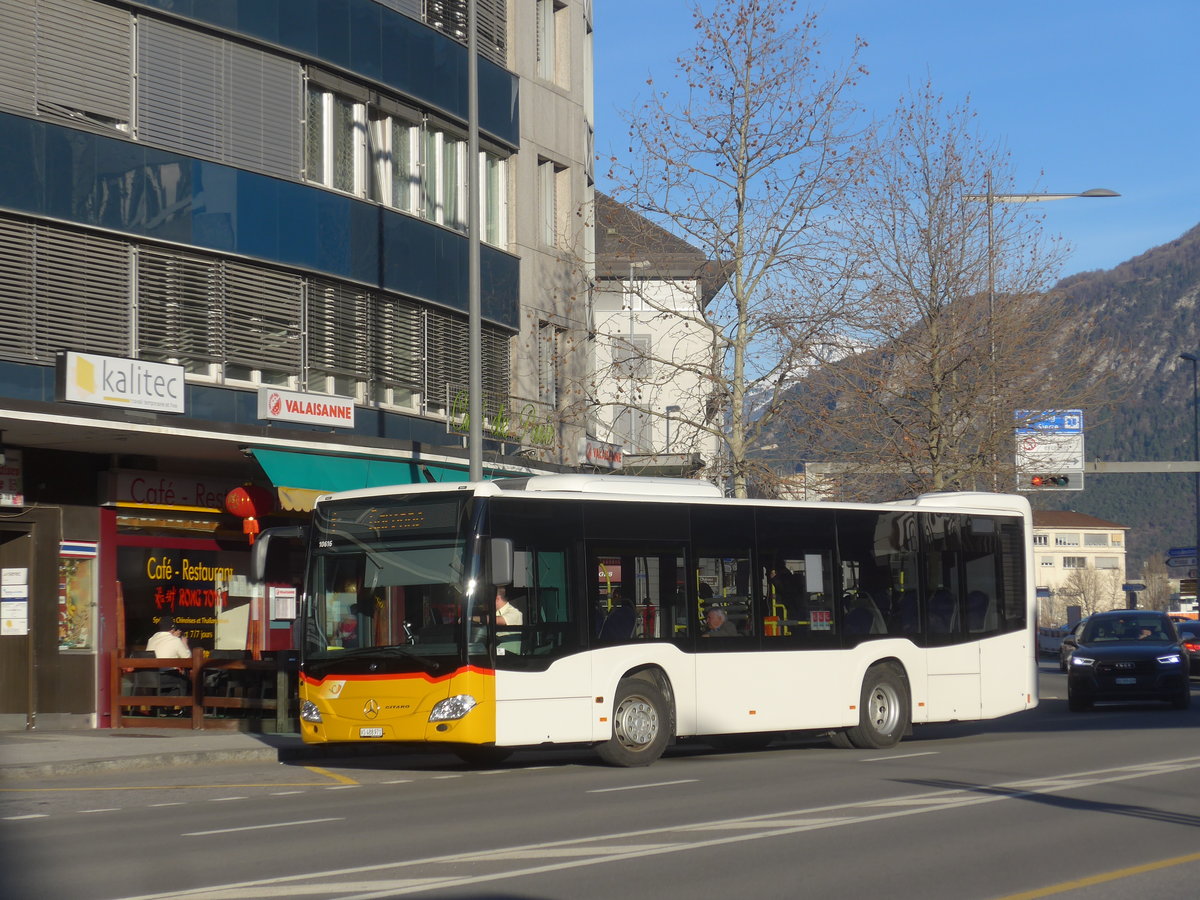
[
  {"x": 341, "y": 779},
  {"x": 1115, "y": 875}
]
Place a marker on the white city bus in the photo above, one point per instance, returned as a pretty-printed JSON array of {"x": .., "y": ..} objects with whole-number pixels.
[{"x": 655, "y": 609}]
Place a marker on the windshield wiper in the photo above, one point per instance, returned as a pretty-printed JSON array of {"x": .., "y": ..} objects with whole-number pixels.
[{"x": 393, "y": 650}]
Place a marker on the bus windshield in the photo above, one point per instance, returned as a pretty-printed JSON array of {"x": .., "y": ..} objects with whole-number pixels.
[{"x": 387, "y": 584}]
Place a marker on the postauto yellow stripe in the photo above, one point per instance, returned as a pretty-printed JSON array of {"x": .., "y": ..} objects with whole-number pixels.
[{"x": 397, "y": 707}]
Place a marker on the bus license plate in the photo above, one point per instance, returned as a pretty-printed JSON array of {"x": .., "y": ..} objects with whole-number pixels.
[
  {"x": 370, "y": 732},
  {"x": 1126, "y": 681}
]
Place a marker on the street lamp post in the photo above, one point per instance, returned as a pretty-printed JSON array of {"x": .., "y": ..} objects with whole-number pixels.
[
  {"x": 991, "y": 199},
  {"x": 670, "y": 411},
  {"x": 1194, "y": 359}
]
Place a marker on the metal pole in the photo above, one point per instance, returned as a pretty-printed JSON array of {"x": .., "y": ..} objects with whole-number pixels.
[
  {"x": 474, "y": 314},
  {"x": 991, "y": 268},
  {"x": 1195, "y": 361}
]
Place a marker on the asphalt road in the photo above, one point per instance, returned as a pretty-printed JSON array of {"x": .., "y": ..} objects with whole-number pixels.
[{"x": 1102, "y": 804}]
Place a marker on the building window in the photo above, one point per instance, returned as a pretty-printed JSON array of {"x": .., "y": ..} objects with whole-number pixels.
[
  {"x": 551, "y": 16},
  {"x": 335, "y": 145},
  {"x": 444, "y": 181},
  {"x": 1107, "y": 562},
  {"x": 1046, "y": 562},
  {"x": 1041, "y": 540},
  {"x": 1064, "y": 539},
  {"x": 1074, "y": 562},
  {"x": 1095, "y": 540},
  {"x": 493, "y": 212},
  {"x": 549, "y": 177},
  {"x": 631, "y": 356},
  {"x": 395, "y": 161},
  {"x": 549, "y": 338}
]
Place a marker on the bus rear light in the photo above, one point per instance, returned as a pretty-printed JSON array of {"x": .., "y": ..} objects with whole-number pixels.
[{"x": 452, "y": 708}]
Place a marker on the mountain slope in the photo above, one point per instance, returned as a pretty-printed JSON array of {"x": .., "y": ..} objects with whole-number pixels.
[{"x": 1148, "y": 306}]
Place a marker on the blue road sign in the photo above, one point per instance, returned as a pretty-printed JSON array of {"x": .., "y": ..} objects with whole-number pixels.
[
  {"x": 1062, "y": 421},
  {"x": 1133, "y": 586},
  {"x": 1182, "y": 551}
]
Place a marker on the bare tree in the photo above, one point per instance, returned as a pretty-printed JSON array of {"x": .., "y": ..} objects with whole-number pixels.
[
  {"x": 1158, "y": 584},
  {"x": 958, "y": 331},
  {"x": 750, "y": 162},
  {"x": 1092, "y": 590}
]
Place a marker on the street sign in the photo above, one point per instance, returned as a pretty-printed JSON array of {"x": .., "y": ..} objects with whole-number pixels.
[
  {"x": 1181, "y": 562},
  {"x": 1049, "y": 450},
  {"x": 1062, "y": 421},
  {"x": 1182, "y": 551},
  {"x": 1133, "y": 586}
]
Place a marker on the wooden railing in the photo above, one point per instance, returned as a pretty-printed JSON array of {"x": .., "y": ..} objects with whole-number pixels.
[{"x": 255, "y": 695}]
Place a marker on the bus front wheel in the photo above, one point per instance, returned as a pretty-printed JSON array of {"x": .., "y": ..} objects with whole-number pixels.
[
  {"x": 883, "y": 711},
  {"x": 640, "y": 725}
]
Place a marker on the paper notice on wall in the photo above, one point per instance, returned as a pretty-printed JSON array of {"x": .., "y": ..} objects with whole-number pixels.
[
  {"x": 14, "y": 575},
  {"x": 14, "y": 617}
]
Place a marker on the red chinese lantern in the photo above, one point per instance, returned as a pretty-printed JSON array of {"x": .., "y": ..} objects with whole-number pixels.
[{"x": 251, "y": 503}]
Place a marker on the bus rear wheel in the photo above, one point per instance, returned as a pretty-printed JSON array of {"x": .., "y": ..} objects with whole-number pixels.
[
  {"x": 883, "y": 710},
  {"x": 640, "y": 725}
]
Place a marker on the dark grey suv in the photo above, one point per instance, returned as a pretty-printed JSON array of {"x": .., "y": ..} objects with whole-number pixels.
[{"x": 1128, "y": 654}]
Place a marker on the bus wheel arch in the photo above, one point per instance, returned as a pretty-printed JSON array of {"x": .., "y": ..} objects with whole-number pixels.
[
  {"x": 884, "y": 708},
  {"x": 643, "y": 719}
]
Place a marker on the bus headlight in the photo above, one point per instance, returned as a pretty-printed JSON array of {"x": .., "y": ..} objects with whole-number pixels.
[
  {"x": 309, "y": 712},
  {"x": 452, "y": 708}
]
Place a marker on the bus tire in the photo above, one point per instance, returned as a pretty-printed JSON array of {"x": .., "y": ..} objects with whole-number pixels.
[
  {"x": 640, "y": 724},
  {"x": 482, "y": 756},
  {"x": 840, "y": 740},
  {"x": 883, "y": 710}
]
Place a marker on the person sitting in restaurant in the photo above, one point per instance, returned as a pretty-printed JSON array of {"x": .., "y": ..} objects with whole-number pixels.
[{"x": 169, "y": 642}]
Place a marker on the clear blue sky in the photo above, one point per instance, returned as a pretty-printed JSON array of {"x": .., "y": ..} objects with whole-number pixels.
[{"x": 1084, "y": 94}]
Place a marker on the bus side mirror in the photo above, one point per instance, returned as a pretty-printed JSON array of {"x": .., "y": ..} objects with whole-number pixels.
[
  {"x": 501, "y": 562},
  {"x": 262, "y": 553}
]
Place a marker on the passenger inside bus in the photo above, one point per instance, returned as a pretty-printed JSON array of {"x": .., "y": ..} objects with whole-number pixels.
[{"x": 718, "y": 624}]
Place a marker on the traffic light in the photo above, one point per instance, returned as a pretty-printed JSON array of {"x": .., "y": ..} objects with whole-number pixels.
[{"x": 1049, "y": 481}]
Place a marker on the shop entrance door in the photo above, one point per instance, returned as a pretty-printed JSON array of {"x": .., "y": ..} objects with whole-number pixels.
[{"x": 18, "y": 700}]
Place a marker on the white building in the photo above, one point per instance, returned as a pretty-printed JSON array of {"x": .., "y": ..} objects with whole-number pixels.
[
  {"x": 652, "y": 347},
  {"x": 1080, "y": 560}
]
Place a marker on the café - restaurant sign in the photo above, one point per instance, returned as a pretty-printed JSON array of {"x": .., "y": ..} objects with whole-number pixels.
[
  {"x": 120, "y": 382},
  {"x": 308, "y": 409}
]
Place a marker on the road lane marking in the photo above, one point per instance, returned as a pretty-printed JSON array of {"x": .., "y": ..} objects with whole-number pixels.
[
  {"x": 899, "y": 756},
  {"x": 29, "y": 816},
  {"x": 334, "y": 775},
  {"x": 638, "y": 787},
  {"x": 261, "y": 827},
  {"x": 1115, "y": 875},
  {"x": 574, "y": 853}
]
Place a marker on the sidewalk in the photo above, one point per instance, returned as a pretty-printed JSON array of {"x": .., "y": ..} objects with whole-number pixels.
[{"x": 43, "y": 754}]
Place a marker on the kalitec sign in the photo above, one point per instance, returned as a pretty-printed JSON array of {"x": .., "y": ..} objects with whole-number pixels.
[
  {"x": 525, "y": 427},
  {"x": 308, "y": 409},
  {"x": 116, "y": 381}
]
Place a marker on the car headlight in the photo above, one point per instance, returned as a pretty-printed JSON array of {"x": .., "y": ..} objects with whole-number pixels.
[
  {"x": 452, "y": 708},
  {"x": 309, "y": 712},
  {"x": 1171, "y": 659},
  {"x": 1082, "y": 661}
]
